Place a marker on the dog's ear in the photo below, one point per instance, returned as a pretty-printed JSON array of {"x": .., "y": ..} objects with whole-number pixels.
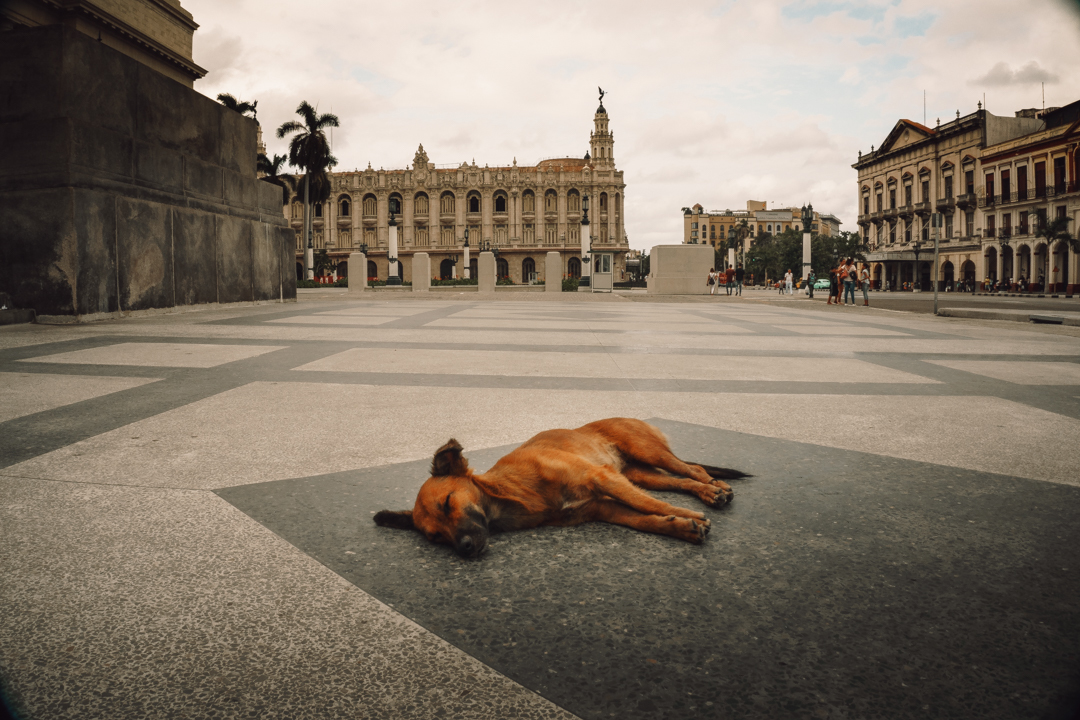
[
  {"x": 401, "y": 520},
  {"x": 448, "y": 460}
]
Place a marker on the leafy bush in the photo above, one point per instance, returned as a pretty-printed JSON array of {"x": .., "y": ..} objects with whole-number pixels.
[
  {"x": 569, "y": 284},
  {"x": 459, "y": 281},
  {"x": 505, "y": 281}
]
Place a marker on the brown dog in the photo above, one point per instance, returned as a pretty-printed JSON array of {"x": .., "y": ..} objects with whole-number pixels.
[{"x": 564, "y": 477}]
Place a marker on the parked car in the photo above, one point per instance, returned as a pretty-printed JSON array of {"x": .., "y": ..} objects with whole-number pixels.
[{"x": 821, "y": 284}]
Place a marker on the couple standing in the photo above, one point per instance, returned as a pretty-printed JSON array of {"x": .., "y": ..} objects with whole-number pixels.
[
  {"x": 848, "y": 275},
  {"x": 732, "y": 279}
]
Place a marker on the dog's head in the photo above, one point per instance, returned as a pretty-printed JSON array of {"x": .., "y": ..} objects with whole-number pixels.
[{"x": 449, "y": 507}]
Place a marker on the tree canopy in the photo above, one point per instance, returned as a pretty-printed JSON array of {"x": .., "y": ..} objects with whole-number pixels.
[
  {"x": 241, "y": 106},
  {"x": 309, "y": 149},
  {"x": 271, "y": 170}
]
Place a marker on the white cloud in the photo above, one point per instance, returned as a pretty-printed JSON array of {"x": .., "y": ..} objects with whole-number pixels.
[{"x": 710, "y": 102}]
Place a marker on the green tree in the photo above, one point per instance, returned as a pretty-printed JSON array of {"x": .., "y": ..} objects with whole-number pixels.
[
  {"x": 241, "y": 106},
  {"x": 271, "y": 170},
  {"x": 826, "y": 251},
  {"x": 323, "y": 264},
  {"x": 309, "y": 150}
]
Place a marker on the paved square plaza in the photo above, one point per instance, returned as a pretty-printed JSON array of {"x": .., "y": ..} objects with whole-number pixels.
[{"x": 185, "y": 522}]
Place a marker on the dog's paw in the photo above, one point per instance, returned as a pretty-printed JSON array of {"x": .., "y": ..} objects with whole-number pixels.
[
  {"x": 715, "y": 495},
  {"x": 689, "y": 529}
]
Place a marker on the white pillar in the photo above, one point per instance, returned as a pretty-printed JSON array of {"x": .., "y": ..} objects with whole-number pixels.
[
  {"x": 586, "y": 247},
  {"x": 466, "y": 268},
  {"x": 392, "y": 266},
  {"x": 806, "y": 254}
]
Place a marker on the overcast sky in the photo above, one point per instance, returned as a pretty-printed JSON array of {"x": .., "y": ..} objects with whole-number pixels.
[{"x": 710, "y": 102}]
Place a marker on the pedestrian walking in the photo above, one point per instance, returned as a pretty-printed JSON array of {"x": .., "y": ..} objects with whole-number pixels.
[
  {"x": 834, "y": 287},
  {"x": 810, "y": 280},
  {"x": 712, "y": 281},
  {"x": 788, "y": 279},
  {"x": 864, "y": 278},
  {"x": 739, "y": 275}
]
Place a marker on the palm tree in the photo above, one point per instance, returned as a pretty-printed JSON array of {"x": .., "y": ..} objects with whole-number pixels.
[
  {"x": 309, "y": 150},
  {"x": 271, "y": 170},
  {"x": 241, "y": 106},
  {"x": 1055, "y": 231}
]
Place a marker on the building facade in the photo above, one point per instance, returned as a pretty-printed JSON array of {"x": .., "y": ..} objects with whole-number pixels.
[
  {"x": 711, "y": 227},
  {"x": 990, "y": 177},
  {"x": 523, "y": 212}
]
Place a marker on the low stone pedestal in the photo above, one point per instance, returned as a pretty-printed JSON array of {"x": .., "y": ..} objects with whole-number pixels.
[
  {"x": 421, "y": 272},
  {"x": 357, "y": 282},
  {"x": 680, "y": 269},
  {"x": 553, "y": 272}
]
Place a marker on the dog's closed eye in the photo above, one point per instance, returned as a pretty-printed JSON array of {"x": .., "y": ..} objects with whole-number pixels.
[{"x": 446, "y": 504}]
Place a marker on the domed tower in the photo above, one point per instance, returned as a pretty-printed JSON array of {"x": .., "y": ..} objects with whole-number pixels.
[{"x": 601, "y": 140}]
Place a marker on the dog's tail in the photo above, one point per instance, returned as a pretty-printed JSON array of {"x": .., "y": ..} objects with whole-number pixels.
[{"x": 720, "y": 473}]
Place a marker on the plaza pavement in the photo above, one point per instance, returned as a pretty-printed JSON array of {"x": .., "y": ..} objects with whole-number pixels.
[{"x": 185, "y": 504}]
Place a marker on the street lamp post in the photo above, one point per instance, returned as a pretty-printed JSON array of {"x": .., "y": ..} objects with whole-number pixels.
[
  {"x": 586, "y": 244},
  {"x": 935, "y": 222},
  {"x": 916, "y": 286},
  {"x": 465, "y": 268},
  {"x": 807, "y": 221},
  {"x": 392, "y": 277}
]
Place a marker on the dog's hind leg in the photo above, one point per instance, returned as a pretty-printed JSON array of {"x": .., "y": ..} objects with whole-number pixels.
[
  {"x": 643, "y": 444},
  {"x": 683, "y": 528},
  {"x": 710, "y": 494},
  {"x": 605, "y": 482}
]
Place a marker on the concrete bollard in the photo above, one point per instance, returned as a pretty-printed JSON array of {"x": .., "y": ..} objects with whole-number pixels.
[
  {"x": 485, "y": 268},
  {"x": 421, "y": 272},
  {"x": 357, "y": 272},
  {"x": 553, "y": 273}
]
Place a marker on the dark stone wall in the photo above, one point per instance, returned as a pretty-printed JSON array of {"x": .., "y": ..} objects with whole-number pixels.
[{"x": 121, "y": 189}]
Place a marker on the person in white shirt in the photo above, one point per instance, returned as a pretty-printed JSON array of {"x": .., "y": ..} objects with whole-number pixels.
[
  {"x": 864, "y": 279},
  {"x": 788, "y": 279},
  {"x": 713, "y": 280}
]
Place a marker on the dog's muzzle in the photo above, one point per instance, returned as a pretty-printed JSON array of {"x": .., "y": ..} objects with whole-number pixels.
[{"x": 472, "y": 534}]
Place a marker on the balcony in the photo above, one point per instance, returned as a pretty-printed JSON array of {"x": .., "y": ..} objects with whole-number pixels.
[
  {"x": 877, "y": 217},
  {"x": 967, "y": 200},
  {"x": 924, "y": 208},
  {"x": 891, "y": 214},
  {"x": 344, "y": 221},
  {"x": 990, "y": 232},
  {"x": 944, "y": 204},
  {"x": 907, "y": 212}
]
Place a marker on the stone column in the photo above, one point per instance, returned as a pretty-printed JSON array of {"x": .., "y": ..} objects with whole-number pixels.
[
  {"x": 486, "y": 270},
  {"x": 357, "y": 281},
  {"x": 421, "y": 272},
  {"x": 553, "y": 272}
]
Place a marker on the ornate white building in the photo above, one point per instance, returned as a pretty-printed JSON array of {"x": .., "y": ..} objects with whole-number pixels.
[{"x": 524, "y": 212}]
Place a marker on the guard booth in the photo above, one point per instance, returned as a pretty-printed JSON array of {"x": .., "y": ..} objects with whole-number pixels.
[{"x": 603, "y": 272}]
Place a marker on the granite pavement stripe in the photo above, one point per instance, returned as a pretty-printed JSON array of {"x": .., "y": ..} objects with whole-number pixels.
[{"x": 127, "y": 602}]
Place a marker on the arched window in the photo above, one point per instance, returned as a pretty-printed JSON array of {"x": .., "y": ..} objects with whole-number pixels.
[
  {"x": 528, "y": 201},
  {"x": 474, "y": 203},
  {"x": 299, "y": 271},
  {"x": 371, "y": 208},
  {"x": 297, "y": 211},
  {"x": 447, "y": 203},
  {"x": 396, "y": 204},
  {"x": 573, "y": 201},
  {"x": 420, "y": 204},
  {"x": 502, "y": 268},
  {"x": 528, "y": 269},
  {"x": 603, "y": 202},
  {"x": 372, "y": 270},
  {"x": 551, "y": 202},
  {"x": 446, "y": 269},
  {"x": 573, "y": 268},
  {"x": 343, "y": 210},
  {"x": 500, "y": 203},
  {"x": 618, "y": 204},
  {"x": 343, "y": 269},
  {"x": 318, "y": 209}
]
